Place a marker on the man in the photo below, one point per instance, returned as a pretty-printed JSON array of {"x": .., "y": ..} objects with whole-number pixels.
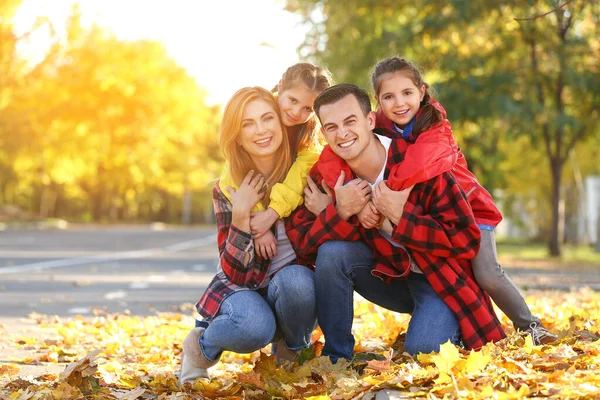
[{"x": 417, "y": 262}]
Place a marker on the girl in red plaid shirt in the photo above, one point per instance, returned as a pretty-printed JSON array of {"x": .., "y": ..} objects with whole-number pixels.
[
  {"x": 252, "y": 300},
  {"x": 408, "y": 111}
]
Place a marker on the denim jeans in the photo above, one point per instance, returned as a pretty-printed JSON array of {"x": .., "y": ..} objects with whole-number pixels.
[
  {"x": 248, "y": 320},
  {"x": 345, "y": 267}
]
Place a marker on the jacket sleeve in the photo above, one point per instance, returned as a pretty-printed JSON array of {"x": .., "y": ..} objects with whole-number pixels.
[
  {"x": 433, "y": 153},
  {"x": 236, "y": 247},
  {"x": 438, "y": 220},
  {"x": 288, "y": 195},
  {"x": 307, "y": 232}
]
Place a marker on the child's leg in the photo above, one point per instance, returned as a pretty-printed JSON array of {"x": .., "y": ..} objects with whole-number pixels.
[{"x": 492, "y": 278}]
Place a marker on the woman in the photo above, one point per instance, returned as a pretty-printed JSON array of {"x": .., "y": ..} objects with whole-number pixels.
[
  {"x": 295, "y": 94},
  {"x": 251, "y": 301}
]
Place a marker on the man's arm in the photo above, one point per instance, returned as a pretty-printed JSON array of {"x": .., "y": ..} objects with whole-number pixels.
[{"x": 437, "y": 219}]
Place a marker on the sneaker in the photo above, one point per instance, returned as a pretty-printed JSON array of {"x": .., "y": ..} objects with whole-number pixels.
[
  {"x": 193, "y": 363},
  {"x": 540, "y": 335}
]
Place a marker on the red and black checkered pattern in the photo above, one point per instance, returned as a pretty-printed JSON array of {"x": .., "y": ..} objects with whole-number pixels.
[
  {"x": 437, "y": 229},
  {"x": 239, "y": 267}
]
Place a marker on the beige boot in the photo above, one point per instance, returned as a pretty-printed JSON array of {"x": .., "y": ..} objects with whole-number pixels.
[
  {"x": 193, "y": 363},
  {"x": 283, "y": 353}
]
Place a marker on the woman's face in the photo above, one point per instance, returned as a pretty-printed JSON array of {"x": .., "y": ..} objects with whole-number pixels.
[
  {"x": 261, "y": 133},
  {"x": 296, "y": 104}
]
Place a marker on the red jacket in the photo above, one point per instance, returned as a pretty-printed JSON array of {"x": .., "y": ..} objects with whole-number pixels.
[
  {"x": 433, "y": 152},
  {"x": 438, "y": 231}
]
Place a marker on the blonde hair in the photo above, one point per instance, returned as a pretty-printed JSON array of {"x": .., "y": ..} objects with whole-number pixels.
[
  {"x": 317, "y": 79},
  {"x": 238, "y": 160}
]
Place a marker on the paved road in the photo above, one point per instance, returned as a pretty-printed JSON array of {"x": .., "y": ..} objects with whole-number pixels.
[
  {"x": 144, "y": 270},
  {"x": 74, "y": 271}
]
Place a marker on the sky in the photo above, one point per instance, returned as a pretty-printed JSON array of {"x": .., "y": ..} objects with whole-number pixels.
[{"x": 224, "y": 44}]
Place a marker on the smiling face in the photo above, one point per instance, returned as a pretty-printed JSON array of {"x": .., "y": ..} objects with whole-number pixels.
[
  {"x": 261, "y": 133},
  {"x": 296, "y": 104},
  {"x": 346, "y": 128},
  {"x": 399, "y": 98}
]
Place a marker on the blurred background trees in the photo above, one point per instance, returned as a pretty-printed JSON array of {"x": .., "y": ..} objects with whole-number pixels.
[
  {"x": 103, "y": 129},
  {"x": 522, "y": 89}
]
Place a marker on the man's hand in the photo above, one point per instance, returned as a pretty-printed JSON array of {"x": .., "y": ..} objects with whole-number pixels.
[
  {"x": 266, "y": 245},
  {"x": 315, "y": 200},
  {"x": 370, "y": 217},
  {"x": 351, "y": 197},
  {"x": 262, "y": 221},
  {"x": 390, "y": 203}
]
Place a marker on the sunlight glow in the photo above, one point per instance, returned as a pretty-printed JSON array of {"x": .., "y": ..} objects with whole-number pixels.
[{"x": 224, "y": 44}]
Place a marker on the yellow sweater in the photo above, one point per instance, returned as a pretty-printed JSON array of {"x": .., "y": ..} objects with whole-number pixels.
[{"x": 285, "y": 196}]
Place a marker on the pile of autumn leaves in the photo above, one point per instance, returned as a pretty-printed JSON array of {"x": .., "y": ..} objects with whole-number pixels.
[{"x": 127, "y": 357}]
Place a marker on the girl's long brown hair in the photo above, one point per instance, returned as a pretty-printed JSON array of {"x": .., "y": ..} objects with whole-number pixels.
[
  {"x": 428, "y": 114},
  {"x": 238, "y": 160}
]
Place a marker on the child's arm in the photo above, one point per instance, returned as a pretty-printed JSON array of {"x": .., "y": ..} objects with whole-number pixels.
[
  {"x": 433, "y": 153},
  {"x": 288, "y": 195}
]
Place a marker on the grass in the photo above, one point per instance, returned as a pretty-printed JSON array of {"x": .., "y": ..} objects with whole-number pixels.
[{"x": 533, "y": 251}]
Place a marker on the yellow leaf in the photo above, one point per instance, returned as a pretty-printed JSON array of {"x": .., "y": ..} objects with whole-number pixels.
[
  {"x": 447, "y": 357},
  {"x": 528, "y": 346},
  {"x": 476, "y": 361},
  {"x": 443, "y": 379},
  {"x": 322, "y": 397}
]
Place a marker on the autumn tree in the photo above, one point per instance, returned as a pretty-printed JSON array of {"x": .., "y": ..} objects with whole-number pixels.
[
  {"x": 499, "y": 78},
  {"x": 115, "y": 130}
]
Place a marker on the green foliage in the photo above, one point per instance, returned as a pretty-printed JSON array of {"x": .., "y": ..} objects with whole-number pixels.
[{"x": 500, "y": 79}]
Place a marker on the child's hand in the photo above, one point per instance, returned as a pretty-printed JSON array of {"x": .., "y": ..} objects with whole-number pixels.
[
  {"x": 315, "y": 200},
  {"x": 266, "y": 245},
  {"x": 351, "y": 197},
  {"x": 390, "y": 203},
  {"x": 370, "y": 217},
  {"x": 262, "y": 221}
]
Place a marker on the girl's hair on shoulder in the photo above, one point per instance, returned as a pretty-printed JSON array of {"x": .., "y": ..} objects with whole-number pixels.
[
  {"x": 316, "y": 79},
  {"x": 429, "y": 115}
]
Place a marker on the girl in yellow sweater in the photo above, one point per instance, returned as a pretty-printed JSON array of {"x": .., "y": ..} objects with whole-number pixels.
[{"x": 296, "y": 92}]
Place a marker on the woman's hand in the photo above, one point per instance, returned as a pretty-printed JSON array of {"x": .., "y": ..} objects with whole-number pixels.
[
  {"x": 315, "y": 200},
  {"x": 389, "y": 202},
  {"x": 262, "y": 221},
  {"x": 266, "y": 245},
  {"x": 370, "y": 217},
  {"x": 251, "y": 190}
]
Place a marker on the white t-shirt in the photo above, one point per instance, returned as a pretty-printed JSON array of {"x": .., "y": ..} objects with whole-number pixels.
[
  {"x": 285, "y": 253},
  {"x": 386, "y": 227}
]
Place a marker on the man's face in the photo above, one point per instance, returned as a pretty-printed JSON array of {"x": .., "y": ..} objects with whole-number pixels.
[{"x": 345, "y": 127}]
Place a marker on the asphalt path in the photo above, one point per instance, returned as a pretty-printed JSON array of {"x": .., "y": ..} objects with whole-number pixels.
[
  {"x": 87, "y": 270},
  {"x": 148, "y": 269}
]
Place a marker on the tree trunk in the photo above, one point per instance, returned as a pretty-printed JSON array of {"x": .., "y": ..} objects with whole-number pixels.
[{"x": 554, "y": 244}]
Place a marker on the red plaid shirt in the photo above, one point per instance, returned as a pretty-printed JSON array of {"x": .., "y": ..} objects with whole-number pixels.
[
  {"x": 437, "y": 228},
  {"x": 239, "y": 267}
]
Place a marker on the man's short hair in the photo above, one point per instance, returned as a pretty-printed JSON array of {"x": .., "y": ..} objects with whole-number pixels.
[{"x": 338, "y": 92}]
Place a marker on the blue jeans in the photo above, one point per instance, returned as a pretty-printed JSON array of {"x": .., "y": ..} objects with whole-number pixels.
[
  {"x": 249, "y": 320},
  {"x": 345, "y": 267}
]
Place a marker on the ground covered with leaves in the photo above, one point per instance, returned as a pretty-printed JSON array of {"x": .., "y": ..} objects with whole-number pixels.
[{"x": 130, "y": 357}]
